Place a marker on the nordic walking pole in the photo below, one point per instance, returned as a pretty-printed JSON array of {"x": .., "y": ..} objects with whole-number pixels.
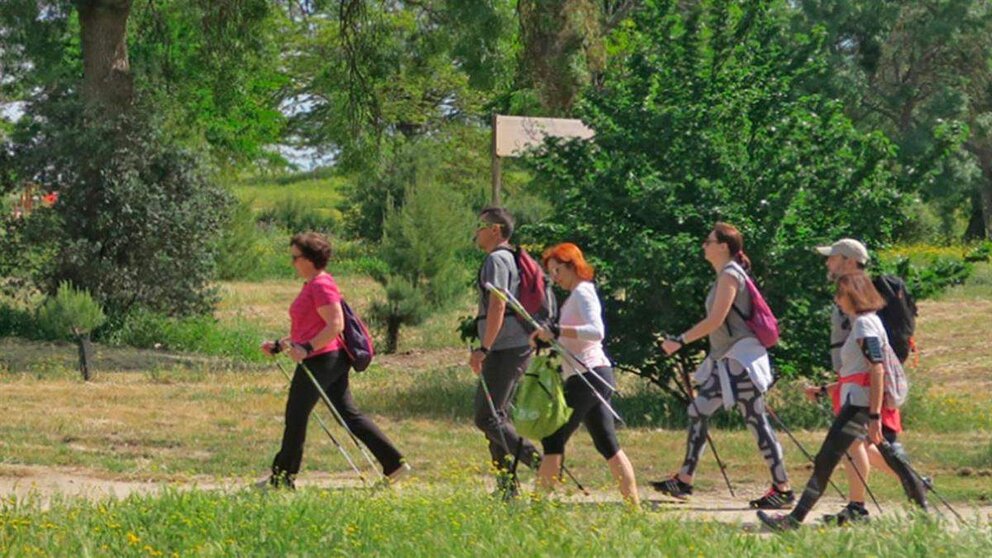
[
  {"x": 802, "y": 449},
  {"x": 323, "y": 426},
  {"x": 339, "y": 418},
  {"x": 518, "y": 308},
  {"x": 578, "y": 484},
  {"x": 709, "y": 439},
  {"x": 515, "y": 305},
  {"x": 502, "y": 435},
  {"x": 929, "y": 485}
]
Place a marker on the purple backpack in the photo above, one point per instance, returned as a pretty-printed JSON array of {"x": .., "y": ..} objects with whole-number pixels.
[
  {"x": 357, "y": 339},
  {"x": 762, "y": 322}
]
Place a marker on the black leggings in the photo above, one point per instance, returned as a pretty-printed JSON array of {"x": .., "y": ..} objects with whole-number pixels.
[
  {"x": 331, "y": 370},
  {"x": 850, "y": 424},
  {"x": 589, "y": 410}
]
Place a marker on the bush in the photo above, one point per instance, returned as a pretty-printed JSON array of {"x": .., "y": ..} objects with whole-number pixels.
[
  {"x": 69, "y": 314},
  {"x": 200, "y": 334},
  {"x": 927, "y": 275},
  {"x": 138, "y": 214},
  {"x": 456, "y": 157},
  {"x": 704, "y": 119}
]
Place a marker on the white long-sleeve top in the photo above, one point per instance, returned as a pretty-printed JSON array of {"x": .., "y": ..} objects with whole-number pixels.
[{"x": 583, "y": 312}]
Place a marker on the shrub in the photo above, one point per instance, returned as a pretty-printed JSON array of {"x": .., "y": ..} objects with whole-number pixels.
[
  {"x": 201, "y": 334},
  {"x": 294, "y": 214},
  {"x": 138, "y": 213},
  {"x": 928, "y": 277},
  {"x": 69, "y": 314},
  {"x": 421, "y": 246}
]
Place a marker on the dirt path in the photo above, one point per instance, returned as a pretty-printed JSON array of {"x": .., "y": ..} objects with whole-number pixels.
[{"x": 43, "y": 484}]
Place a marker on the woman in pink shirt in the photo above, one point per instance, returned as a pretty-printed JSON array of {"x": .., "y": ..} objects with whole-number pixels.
[{"x": 314, "y": 340}]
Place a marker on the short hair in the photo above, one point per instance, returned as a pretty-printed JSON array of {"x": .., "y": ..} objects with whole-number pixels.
[
  {"x": 569, "y": 254},
  {"x": 861, "y": 292},
  {"x": 499, "y": 216},
  {"x": 314, "y": 247}
]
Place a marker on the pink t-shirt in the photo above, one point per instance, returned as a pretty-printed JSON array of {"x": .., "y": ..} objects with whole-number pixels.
[{"x": 306, "y": 322}]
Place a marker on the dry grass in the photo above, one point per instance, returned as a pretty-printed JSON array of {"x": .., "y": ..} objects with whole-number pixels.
[{"x": 152, "y": 419}]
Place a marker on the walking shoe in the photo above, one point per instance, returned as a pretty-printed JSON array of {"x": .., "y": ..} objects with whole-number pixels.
[
  {"x": 916, "y": 489},
  {"x": 398, "y": 473},
  {"x": 853, "y": 512},
  {"x": 673, "y": 487},
  {"x": 276, "y": 482},
  {"x": 507, "y": 488},
  {"x": 779, "y": 521},
  {"x": 774, "y": 499}
]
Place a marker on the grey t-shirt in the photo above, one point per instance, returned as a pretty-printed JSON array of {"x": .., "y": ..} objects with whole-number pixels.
[
  {"x": 853, "y": 359},
  {"x": 500, "y": 269},
  {"x": 734, "y": 328},
  {"x": 840, "y": 329}
]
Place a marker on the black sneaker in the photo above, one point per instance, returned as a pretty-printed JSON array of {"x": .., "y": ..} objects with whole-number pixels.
[
  {"x": 277, "y": 482},
  {"x": 774, "y": 499},
  {"x": 673, "y": 487},
  {"x": 507, "y": 487},
  {"x": 779, "y": 521},
  {"x": 916, "y": 489},
  {"x": 853, "y": 512}
]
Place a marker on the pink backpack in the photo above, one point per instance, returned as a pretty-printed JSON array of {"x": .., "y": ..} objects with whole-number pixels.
[{"x": 762, "y": 320}]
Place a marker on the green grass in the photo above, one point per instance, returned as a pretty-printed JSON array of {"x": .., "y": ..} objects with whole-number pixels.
[
  {"x": 320, "y": 190},
  {"x": 435, "y": 521}
]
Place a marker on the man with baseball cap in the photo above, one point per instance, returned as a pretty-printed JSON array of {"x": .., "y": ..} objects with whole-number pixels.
[{"x": 844, "y": 257}]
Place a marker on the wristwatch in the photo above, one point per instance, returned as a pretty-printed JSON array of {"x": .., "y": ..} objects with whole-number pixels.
[
  {"x": 482, "y": 350},
  {"x": 874, "y": 416},
  {"x": 308, "y": 347}
]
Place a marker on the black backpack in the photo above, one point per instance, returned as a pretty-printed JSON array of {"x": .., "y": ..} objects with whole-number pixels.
[{"x": 899, "y": 314}]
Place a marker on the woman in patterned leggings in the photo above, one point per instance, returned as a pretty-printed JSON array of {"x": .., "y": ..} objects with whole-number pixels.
[{"x": 736, "y": 370}]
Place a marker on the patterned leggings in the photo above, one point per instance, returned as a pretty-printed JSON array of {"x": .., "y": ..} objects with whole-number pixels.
[{"x": 752, "y": 406}]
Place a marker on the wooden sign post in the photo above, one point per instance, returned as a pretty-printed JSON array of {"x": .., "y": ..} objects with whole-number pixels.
[{"x": 514, "y": 135}]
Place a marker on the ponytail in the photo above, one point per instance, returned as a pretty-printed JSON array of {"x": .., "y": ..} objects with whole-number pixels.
[{"x": 744, "y": 261}]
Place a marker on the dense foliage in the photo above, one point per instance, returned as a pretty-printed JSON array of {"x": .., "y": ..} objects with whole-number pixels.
[{"x": 704, "y": 118}]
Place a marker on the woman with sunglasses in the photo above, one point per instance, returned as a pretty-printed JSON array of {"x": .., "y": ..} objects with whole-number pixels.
[
  {"x": 735, "y": 372},
  {"x": 316, "y": 322}
]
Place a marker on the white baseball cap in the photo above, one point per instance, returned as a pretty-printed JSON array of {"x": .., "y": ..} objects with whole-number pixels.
[{"x": 847, "y": 247}]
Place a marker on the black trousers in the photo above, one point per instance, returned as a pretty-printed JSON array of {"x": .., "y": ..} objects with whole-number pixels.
[
  {"x": 332, "y": 371},
  {"x": 502, "y": 370}
]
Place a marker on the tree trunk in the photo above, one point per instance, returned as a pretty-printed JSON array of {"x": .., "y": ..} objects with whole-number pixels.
[
  {"x": 984, "y": 154},
  {"x": 107, "y": 82},
  {"x": 392, "y": 334}
]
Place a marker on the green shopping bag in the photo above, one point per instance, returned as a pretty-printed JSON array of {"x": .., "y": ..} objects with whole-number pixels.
[{"x": 540, "y": 407}]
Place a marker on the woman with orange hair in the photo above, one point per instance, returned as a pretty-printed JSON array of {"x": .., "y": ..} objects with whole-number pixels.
[{"x": 580, "y": 329}]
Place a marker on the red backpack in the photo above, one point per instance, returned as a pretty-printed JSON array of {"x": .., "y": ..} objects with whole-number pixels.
[
  {"x": 762, "y": 321},
  {"x": 534, "y": 293}
]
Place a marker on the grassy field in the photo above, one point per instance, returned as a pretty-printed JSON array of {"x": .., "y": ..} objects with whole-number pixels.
[
  {"x": 406, "y": 522},
  {"x": 165, "y": 417},
  {"x": 319, "y": 190}
]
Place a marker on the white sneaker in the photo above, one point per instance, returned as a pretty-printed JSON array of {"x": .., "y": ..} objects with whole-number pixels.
[{"x": 399, "y": 473}]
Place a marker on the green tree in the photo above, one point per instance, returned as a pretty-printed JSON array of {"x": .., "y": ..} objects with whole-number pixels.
[
  {"x": 423, "y": 243},
  {"x": 920, "y": 72},
  {"x": 703, "y": 117}
]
